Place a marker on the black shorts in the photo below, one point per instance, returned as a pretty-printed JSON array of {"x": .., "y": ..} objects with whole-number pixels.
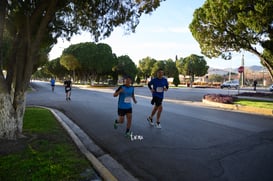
[
  {"x": 67, "y": 89},
  {"x": 122, "y": 112},
  {"x": 157, "y": 101}
]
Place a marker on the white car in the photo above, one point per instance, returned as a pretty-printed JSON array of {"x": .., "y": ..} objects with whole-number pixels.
[
  {"x": 230, "y": 84},
  {"x": 271, "y": 88}
]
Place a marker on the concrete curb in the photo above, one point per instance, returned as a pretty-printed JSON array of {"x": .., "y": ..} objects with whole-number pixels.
[
  {"x": 248, "y": 109},
  {"x": 108, "y": 168}
]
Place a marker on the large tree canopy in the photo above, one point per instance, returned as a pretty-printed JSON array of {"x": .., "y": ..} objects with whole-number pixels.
[
  {"x": 35, "y": 25},
  {"x": 224, "y": 26},
  {"x": 94, "y": 60}
]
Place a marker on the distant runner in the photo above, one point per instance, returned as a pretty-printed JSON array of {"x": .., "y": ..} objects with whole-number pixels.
[
  {"x": 52, "y": 82},
  {"x": 67, "y": 86}
]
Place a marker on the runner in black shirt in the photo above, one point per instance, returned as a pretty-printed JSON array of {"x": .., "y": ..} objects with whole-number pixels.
[{"x": 67, "y": 85}]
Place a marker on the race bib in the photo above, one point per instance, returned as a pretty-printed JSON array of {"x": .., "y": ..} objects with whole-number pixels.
[
  {"x": 159, "y": 89},
  {"x": 127, "y": 100}
]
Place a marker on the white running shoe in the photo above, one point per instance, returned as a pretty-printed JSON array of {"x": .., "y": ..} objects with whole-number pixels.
[{"x": 158, "y": 126}]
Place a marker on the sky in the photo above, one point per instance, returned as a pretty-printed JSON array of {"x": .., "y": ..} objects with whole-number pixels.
[{"x": 161, "y": 35}]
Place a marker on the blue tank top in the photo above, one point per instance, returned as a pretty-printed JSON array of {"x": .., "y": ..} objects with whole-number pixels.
[{"x": 125, "y": 97}]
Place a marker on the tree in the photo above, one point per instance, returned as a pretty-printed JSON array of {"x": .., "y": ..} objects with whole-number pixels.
[
  {"x": 224, "y": 26},
  {"x": 215, "y": 78},
  {"x": 85, "y": 54},
  {"x": 55, "y": 69},
  {"x": 94, "y": 59},
  {"x": 158, "y": 65},
  {"x": 176, "y": 80},
  {"x": 194, "y": 65},
  {"x": 70, "y": 63},
  {"x": 126, "y": 67},
  {"x": 145, "y": 66},
  {"x": 170, "y": 68},
  {"x": 172, "y": 71},
  {"x": 35, "y": 25},
  {"x": 105, "y": 60},
  {"x": 180, "y": 66}
]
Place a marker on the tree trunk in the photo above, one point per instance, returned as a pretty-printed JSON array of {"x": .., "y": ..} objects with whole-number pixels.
[
  {"x": 11, "y": 120},
  {"x": 3, "y": 5},
  {"x": 26, "y": 45}
]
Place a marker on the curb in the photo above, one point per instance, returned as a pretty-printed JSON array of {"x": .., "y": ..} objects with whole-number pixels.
[{"x": 247, "y": 109}]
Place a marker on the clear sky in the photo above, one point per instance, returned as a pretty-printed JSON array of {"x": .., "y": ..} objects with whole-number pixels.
[{"x": 161, "y": 35}]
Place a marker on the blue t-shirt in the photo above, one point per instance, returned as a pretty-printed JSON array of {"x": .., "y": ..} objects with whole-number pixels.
[
  {"x": 125, "y": 97},
  {"x": 158, "y": 86},
  {"x": 52, "y": 81}
]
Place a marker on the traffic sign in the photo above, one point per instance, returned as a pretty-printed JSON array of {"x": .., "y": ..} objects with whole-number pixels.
[{"x": 241, "y": 69}]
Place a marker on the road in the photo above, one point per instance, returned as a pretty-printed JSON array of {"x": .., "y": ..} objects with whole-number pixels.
[{"x": 195, "y": 142}]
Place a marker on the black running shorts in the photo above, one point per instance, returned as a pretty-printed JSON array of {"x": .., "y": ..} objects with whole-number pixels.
[
  {"x": 67, "y": 89},
  {"x": 122, "y": 112},
  {"x": 157, "y": 101}
]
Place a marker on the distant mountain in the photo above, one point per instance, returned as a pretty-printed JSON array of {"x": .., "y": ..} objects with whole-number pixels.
[
  {"x": 217, "y": 71},
  {"x": 255, "y": 68},
  {"x": 225, "y": 71}
]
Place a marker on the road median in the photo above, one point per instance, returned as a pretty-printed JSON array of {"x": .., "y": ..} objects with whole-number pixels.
[{"x": 237, "y": 107}]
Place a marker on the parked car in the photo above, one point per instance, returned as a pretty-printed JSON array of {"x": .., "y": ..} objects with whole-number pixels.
[
  {"x": 230, "y": 84},
  {"x": 271, "y": 88}
]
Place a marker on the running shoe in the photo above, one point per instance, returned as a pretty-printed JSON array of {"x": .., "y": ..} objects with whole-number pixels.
[
  {"x": 158, "y": 125},
  {"x": 128, "y": 134},
  {"x": 150, "y": 120},
  {"x": 115, "y": 124}
]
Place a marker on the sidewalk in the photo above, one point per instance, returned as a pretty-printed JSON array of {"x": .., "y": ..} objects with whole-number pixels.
[{"x": 108, "y": 168}]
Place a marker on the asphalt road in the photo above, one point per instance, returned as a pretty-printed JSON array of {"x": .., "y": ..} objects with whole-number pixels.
[{"x": 195, "y": 142}]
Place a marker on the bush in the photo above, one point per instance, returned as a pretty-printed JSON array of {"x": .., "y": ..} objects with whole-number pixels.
[
  {"x": 220, "y": 98},
  {"x": 176, "y": 81}
]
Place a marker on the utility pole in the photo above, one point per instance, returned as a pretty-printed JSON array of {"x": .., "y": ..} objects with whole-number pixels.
[{"x": 242, "y": 74}]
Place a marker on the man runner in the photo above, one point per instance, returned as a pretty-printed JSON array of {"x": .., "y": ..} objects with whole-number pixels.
[{"x": 157, "y": 86}]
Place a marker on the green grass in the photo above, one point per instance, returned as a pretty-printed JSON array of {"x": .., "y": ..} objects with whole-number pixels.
[
  {"x": 255, "y": 103},
  {"x": 48, "y": 152}
]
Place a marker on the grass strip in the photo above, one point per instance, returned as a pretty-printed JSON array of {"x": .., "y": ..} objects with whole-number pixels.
[
  {"x": 255, "y": 103},
  {"x": 47, "y": 152}
]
